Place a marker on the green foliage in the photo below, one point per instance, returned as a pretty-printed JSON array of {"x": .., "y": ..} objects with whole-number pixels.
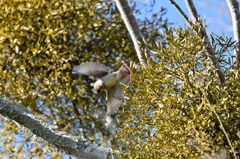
[
  {"x": 175, "y": 103},
  {"x": 40, "y": 42}
]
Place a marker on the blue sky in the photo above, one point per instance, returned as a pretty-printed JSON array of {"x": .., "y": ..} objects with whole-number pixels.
[{"x": 215, "y": 12}]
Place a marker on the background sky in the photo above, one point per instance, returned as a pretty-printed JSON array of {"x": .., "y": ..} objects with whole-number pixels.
[{"x": 215, "y": 12}]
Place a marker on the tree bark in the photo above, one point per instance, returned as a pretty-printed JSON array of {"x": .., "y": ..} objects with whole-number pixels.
[
  {"x": 233, "y": 6},
  {"x": 72, "y": 145},
  {"x": 132, "y": 27}
]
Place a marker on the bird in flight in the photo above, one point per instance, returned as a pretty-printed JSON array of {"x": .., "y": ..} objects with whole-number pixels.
[{"x": 107, "y": 80}]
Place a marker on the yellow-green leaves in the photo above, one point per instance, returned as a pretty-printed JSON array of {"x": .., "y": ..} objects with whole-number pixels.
[
  {"x": 167, "y": 96},
  {"x": 41, "y": 41}
]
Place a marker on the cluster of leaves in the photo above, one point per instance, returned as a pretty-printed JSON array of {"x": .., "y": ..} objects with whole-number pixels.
[
  {"x": 177, "y": 101},
  {"x": 40, "y": 42}
]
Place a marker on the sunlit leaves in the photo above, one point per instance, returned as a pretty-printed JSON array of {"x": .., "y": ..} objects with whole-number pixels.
[
  {"x": 166, "y": 96},
  {"x": 40, "y": 42}
]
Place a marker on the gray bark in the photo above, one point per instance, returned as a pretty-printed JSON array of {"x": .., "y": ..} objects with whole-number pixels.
[
  {"x": 72, "y": 145},
  {"x": 233, "y": 6},
  {"x": 132, "y": 26}
]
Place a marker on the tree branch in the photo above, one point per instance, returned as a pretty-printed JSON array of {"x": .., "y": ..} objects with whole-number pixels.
[
  {"x": 72, "y": 145},
  {"x": 180, "y": 11},
  {"x": 206, "y": 41},
  {"x": 192, "y": 10},
  {"x": 220, "y": 122},
  {"x": 132, "y": 26},
  {"x": 233, "y": 6}
]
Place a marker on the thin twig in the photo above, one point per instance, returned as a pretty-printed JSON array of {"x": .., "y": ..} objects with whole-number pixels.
[
  {"x": 180, "y": 11},
  {"x": 206, "y": 155},
  {"x": 220, "y": 122}
]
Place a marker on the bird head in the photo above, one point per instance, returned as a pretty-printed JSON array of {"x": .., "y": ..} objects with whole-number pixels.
[{"x": 126, "y": 73}]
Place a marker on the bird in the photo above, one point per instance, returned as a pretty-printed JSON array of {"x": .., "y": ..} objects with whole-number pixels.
[{"x": 107, "y": 80}]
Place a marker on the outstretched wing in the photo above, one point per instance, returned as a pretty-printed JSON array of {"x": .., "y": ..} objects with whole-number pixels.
[
  {"x": 127, "y": 79},
  {"x": 91, "y": 69},
  {"x": 114, "y": 98}
]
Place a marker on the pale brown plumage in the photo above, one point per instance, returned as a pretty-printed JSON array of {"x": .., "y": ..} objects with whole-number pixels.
[{"x": 107, "y": 81}]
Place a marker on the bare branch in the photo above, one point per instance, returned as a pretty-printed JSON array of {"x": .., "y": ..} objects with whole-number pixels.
[
  {"x": 220, "y": 154},
  {"x": 72, "y": 145},
  {"x": 192, "y": 10},
  {"x": 190, "y": 143},
  {"x": 132, "y": 26},
  {"x": 220, "y": 122},
  {"x": 234, "y": 11},
  {"x": 180, "y": 11}
]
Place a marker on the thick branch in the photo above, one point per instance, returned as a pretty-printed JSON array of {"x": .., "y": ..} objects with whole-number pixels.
[
  {"x": 234, "y": 10},
  {"x": 132, "y": 26},
  {"x": 72, "y": 145},
  {"x": 192, "y": 10}
]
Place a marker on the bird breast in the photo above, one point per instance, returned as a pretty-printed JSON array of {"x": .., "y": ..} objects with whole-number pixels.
[{"x": 107, "y": 81}]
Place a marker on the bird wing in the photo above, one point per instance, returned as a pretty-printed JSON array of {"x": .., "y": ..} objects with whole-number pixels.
[
  {"x": 114, "y": 98},
  {"x": 127, "y": 79},
  {"x": 91, "y": 69}
]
